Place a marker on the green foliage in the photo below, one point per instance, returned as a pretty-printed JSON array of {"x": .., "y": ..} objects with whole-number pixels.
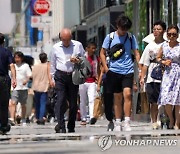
[
  {"x": 142, "y": 23},
  {"x": 142, "y": 20}
]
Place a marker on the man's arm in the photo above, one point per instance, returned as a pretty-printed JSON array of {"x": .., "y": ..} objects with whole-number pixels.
[
  {"x": 13, "y": 74},
  {"x": 137, "y": 56},
  {"x": 53, "y": 64},
  {"x": 103, "y": 59},
  {"x": 100, "y": 79},
  {"x": 75, "y": 58},
  {"x": 144, "y": 71},
  {"x": 166, "y": 62},
  {"x": 51, "y": 81}
]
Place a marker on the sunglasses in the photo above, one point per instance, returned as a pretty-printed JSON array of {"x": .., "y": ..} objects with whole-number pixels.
[{"x": 171, "y": 34}]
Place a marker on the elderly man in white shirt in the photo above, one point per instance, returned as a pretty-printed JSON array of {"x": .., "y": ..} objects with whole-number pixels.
[{"x": 63, "y": 57}]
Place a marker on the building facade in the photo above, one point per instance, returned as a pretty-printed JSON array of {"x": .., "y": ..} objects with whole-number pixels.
[
  {"x": 99, "y": 16},
  {"x": 65, "y": 13}
]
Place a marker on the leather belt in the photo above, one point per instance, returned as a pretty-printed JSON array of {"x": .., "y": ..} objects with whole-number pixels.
[{"x": 65, "y": 73}]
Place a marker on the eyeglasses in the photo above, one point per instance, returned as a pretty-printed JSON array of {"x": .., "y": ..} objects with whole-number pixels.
[{"x": 172, "y": 34}]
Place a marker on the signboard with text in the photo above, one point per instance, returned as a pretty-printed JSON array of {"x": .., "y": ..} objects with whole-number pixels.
[{"x": 40, "y": 21}]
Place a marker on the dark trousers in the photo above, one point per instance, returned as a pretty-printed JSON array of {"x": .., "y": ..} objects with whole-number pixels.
[
  {"x": 108, "y": 99},
  {"x": 4, "y": 100},
  {"x": 66, "y": 91}
]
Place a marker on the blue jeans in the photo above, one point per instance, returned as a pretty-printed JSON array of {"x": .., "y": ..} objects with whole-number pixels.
[{"x": 40, "y": 104}]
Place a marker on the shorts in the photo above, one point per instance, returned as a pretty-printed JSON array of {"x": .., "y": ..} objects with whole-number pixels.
[
  {"x": 153, "y": 90},
  {"x": 19, "y": 96},
  {"x": 115, "y": 83}
]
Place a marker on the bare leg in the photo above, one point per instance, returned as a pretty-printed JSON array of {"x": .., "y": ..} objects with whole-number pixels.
[
  {"x": 12, "y": 109},
  {"x": 154, "y": 112},
  {"x": 177, "y": 114},
  {"x": 23, "y": 114},
  {"x": 118, "y": 105},
  {"x": 127, "y": 101},
  {"x": 169, "y": 112}
]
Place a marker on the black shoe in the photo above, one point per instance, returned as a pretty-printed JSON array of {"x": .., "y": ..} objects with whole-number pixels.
[
  {"x": 4, "y": 130},
  {"x": 58, "y": 129},
  {"x": 18, "y": 120},
  {"x": 71, "y": 131},
  {"x": 110, "y": 126},
  {"x": 93, "y": 121},
  {"x": 28, "y": 121},
  {"x": 40, "y": 122}
]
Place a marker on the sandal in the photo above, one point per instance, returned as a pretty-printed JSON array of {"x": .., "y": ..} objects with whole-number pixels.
[{"x": 83, "y": 123}]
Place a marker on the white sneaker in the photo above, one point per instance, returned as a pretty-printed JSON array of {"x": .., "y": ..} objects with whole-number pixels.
[
  {"x": 52, "y": 120},
  {"x": 176, "y": 127},
  {"x": 127, "y": 126},
  {"x": 24, "y": 122},
  {"x": 118, "y": 127},
  {"x": 155, "y": 126},
  {"x": 110, "y": 126}
]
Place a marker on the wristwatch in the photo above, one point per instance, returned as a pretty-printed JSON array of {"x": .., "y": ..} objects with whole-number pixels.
[{"x": 135, "y": 83}]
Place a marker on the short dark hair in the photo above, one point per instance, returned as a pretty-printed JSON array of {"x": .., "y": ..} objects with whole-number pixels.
[
  {"x": 43, "y": 57},
  {"x": 161, "y": 23},
  {"x": 90, "y": 43},
  {"x": 173, "y": 27},
  {"x": 1, "y": 38},
  {"x": 19, "y": 54},
  {"x": 123, "y": 22}
]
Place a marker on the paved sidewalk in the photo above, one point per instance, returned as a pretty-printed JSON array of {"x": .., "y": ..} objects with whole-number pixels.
[{"x": 43, "y": 139}]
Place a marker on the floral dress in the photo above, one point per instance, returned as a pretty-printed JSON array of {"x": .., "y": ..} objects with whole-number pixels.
[{"x": 170, "y": 88}]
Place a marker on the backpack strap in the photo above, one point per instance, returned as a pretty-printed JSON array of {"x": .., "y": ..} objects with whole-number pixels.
[
  {"x": 130, "y": 38},
  {"x": 111, "y": 37},
  {"x": 126, "y": 39}
]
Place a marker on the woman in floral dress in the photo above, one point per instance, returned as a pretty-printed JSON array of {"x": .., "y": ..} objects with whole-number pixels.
[{"x": 170, "y": 88}]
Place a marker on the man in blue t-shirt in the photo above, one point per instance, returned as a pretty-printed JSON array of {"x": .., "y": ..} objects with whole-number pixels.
[
  {"x": 6, "y": 61},
  {"x": 120, "y": 71}
]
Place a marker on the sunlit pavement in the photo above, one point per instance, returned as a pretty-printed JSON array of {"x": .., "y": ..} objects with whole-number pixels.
[{"x": 34, "y": 138}]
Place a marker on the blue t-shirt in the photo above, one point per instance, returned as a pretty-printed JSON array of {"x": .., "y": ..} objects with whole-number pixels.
[
  {"x": 124, "y": 65},
  {"x": 5, "y": 60}
]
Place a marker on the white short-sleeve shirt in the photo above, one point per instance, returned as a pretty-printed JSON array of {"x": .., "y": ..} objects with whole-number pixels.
[
  {"x": 23, "y": 72},
  {"x": 150, "y": 53}
]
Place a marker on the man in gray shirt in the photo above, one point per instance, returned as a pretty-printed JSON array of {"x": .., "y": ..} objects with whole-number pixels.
[{"x": 63, "y": 57}]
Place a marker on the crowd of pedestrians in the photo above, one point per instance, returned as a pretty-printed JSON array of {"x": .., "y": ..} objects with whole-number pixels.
[{"x": 111, "y": 76}]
